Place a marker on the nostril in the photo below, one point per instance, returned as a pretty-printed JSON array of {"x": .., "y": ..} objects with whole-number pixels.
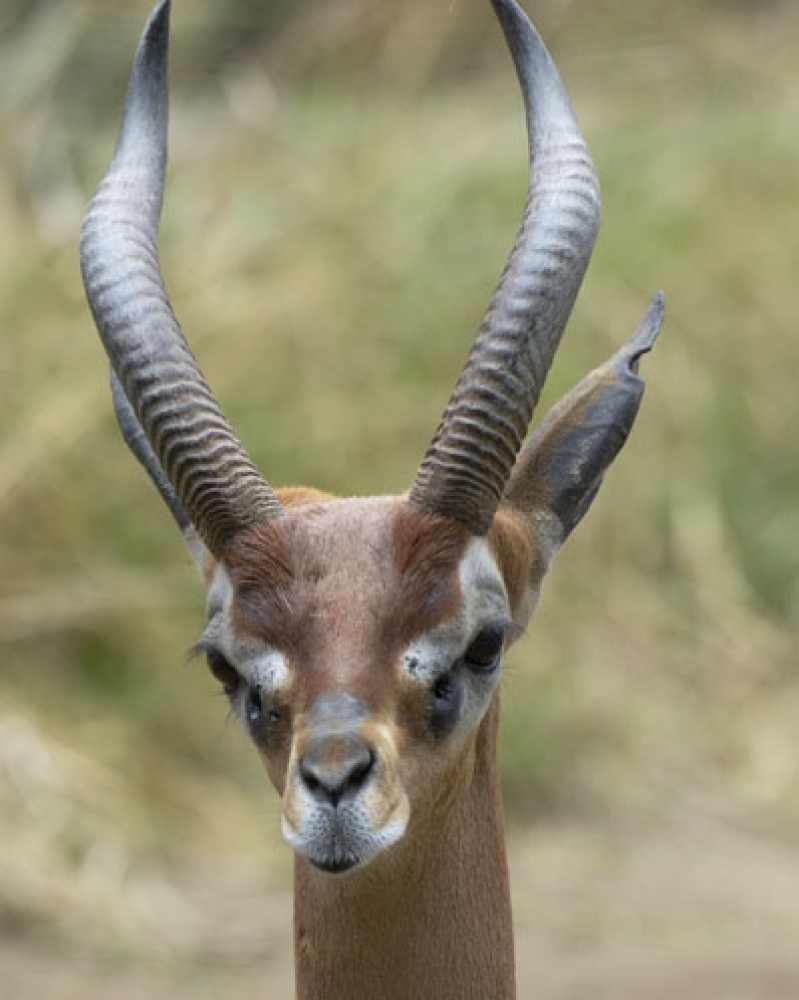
[
  {"x": 361, "y": 771},
  {"x": 310, "y": 781},
  {"x": 332, "y": 769}
]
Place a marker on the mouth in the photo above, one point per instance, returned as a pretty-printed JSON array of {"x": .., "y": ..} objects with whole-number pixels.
[
  {"x": 338, "y": 840},
  {"x": 333, "y": 852},
  {"x": 334, "y": 866}
]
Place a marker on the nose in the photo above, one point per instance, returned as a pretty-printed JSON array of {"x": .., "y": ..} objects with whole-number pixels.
[{"x": 335, "y": 768}]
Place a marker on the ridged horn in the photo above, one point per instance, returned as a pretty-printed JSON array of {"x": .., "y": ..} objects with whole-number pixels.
[
  {"x": 211, "y": 474},
  {"x": 136, "y": 440},
  {"x": 464, "y": 472}
]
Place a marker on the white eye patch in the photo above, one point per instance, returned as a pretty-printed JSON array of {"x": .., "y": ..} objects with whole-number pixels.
[
  {"x": 261, "y": 666},
  {"x": 484, "y": 601}
]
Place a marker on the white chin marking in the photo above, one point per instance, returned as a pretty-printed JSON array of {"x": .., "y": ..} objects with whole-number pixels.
[{"x": 340, "y": 840}]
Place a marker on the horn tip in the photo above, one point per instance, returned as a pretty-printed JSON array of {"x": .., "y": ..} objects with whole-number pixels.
[
  {"x": 154, "y": 44},
  {"x": 159, "y": 17},
  {"x": 515, "y": 23},
  {"x": 155, "y": 36},
  {"x": 144, "y": 122}
]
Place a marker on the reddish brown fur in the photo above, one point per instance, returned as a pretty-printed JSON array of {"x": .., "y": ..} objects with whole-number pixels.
[
  {"x": 427, "y": 552},
  {"x": 341, "y": 591},
  {"x": 341, "y": 587},
  {"x": 431, "y": 918},
  {"x": 298, "y": 496},
  {"x": 511, "y": 545}
]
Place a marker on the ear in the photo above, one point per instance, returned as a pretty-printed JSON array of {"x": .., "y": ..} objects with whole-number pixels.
[
  {"x": 559, "y": 471},
  {"x": 136, "y": 440}
]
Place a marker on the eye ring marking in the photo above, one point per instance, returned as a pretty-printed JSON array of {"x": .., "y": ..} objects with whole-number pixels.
[
  {"x": 482, "y": 657},
  {"x": 232, "y": 682}
]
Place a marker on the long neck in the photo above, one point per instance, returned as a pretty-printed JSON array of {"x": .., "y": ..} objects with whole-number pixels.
[{"x": 432, "y": 919}]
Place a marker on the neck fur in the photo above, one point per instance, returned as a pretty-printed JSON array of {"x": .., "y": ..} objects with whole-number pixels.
[{"x": 432, "y": 919}]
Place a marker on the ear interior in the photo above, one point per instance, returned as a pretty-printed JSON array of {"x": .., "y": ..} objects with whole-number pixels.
[{"x": 560, "y": 469}]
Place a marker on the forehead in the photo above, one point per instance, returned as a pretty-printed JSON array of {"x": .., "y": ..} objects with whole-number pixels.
[{"x": 342, "y": 583}]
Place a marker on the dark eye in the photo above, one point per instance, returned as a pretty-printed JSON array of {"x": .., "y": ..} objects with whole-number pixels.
[
  {"x": 486, "y": 648},
  {"x": 227, "y": 675}
]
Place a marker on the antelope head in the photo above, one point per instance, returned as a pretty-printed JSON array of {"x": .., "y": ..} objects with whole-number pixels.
[{"x": 360, "y": 641}]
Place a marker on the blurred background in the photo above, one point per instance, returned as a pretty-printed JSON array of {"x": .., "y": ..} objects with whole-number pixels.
[{"x": 345, "y": 182}]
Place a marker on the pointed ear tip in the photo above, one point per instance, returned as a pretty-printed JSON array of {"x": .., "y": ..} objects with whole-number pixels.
[{"x": 643, "y": 340}]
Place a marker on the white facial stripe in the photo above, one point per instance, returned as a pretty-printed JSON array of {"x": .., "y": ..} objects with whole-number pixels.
[
  {"x": 220, "y": 593},
  {"x": 267, "y": 671},
  {"x": 485, "y": 600},
  {"x": 261, "y": 666}
]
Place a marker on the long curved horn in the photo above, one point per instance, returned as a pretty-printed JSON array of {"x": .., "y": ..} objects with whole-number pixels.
[
  {"x": 212, "y": 476},
  {"x": 470, "y": 458},
  {"x": 136, "y": 440}
]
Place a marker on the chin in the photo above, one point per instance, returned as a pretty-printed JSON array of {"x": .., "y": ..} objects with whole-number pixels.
[{"x": 340, "y": 853}]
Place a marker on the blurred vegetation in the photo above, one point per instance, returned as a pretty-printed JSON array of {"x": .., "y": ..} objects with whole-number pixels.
[{"x": 345, "y": 181}]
